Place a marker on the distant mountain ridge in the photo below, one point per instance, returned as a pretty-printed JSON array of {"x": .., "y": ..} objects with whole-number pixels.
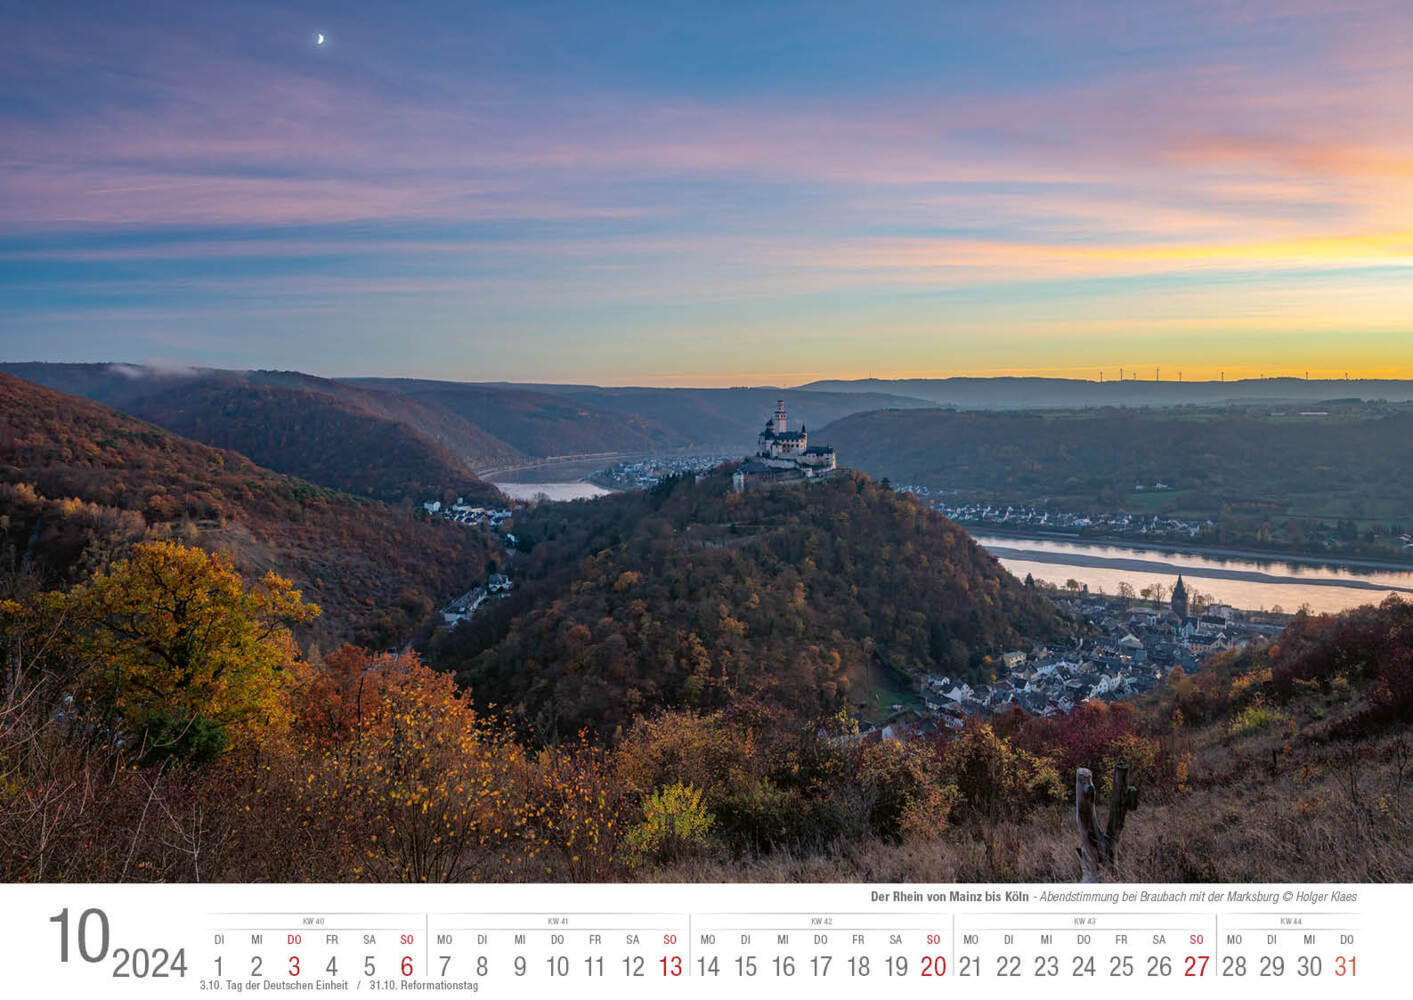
[
  {"x": 533, "y": 417},
  {"x": 407, "y": 439},
  {"x": 538, "y": 424},
  {"x": 1022, "y": 393},
  {"x": 404, "y": 439}
]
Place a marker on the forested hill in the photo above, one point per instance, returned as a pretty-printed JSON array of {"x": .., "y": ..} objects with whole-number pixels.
[
  {"x": 537, "y": 423},
  {"x": 1341, "y": 461},
  {"x": 80, "y": 482},
  {"x": 320, "y": 438},
  {"x": 384, "y": 445},
  {"x": 811, "y": 597}
]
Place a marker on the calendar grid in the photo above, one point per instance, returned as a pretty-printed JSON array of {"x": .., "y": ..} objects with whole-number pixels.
[{"x": 624, "y": 939}]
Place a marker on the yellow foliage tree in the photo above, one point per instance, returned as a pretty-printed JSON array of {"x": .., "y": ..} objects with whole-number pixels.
[{"x": 180, "y": 652}]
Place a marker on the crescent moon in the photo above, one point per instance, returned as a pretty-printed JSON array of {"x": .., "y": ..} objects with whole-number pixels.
[{"x": 319, "y": 40}]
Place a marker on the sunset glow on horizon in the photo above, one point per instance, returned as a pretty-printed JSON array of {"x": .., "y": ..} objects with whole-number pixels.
[{"x": 713, "y": 194}]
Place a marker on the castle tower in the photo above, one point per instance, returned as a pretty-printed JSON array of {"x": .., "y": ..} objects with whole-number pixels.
[{"x": 784, "y": 455}]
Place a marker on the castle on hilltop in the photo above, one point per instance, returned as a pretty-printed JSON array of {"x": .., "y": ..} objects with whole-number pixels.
[{"x": 783, "y": 455}]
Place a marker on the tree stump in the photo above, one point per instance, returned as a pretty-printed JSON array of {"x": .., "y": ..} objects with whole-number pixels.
[{"x": 1098, "y": 848}]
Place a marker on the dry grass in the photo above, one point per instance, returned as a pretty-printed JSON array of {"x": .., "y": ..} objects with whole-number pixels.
[{"x": 1321, "y": 812}]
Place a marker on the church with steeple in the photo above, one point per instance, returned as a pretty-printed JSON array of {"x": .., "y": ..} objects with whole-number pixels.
[{"x": 1180, "y": 599}]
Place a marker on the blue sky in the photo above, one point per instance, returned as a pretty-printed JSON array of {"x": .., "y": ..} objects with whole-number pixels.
[{"x": 680, "y": 193}]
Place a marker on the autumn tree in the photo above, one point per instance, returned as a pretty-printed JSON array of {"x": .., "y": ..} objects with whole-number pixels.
[
  {"x": 180, "y": 653},
  {"x": 397, "y": 760},
  {"x": 995, "y": 779}
]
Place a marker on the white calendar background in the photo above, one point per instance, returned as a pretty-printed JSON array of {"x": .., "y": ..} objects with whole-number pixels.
[{"x": 697, "y": 940}]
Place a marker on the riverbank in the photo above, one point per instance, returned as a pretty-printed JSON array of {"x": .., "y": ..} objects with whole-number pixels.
[
  {"x": 564, "y": 467},
  {"x": 558, "y": 491},
  {"x": 1265, "y": 583},
  {"x": 1204, "y": 551},
  {"x": 1079, "y": 559}
]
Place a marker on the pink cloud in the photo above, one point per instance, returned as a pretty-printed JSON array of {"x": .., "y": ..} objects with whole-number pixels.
[{"x": 1200, "y": 155}]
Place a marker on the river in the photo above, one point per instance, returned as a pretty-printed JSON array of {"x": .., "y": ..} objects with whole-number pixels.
[
  {"x": 1251, "y": 584},
  {"x": 553, "y": 491}
]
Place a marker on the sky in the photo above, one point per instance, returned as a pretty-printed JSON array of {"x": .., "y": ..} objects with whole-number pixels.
[{"x": 717, "y": 193}]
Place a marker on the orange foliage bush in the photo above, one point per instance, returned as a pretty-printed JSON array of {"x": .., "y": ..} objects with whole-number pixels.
[{"x": 399, "y": 762}]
